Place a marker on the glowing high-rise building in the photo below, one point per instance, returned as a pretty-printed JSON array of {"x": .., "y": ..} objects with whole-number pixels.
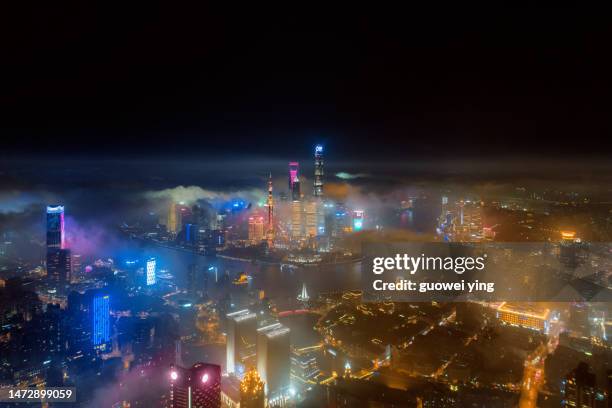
[
  {"x": 273, "y": 360},
  {"x": 174, "y": 219},
  {"x": 579, "y": 388},
  {"x": 293, "y": 173},
  {"x": 55, "y": 227},
  {"x": 468, "y": 226},
  {"x": 311, "y": 219},
  {"x": 294, "y": 181},
  {"x": 241, "y": 337},
  {"x": 341, "y": 221},
  {"x": 304, "y": 364},
  {"x": 256, "y": 229},
  {"x": 59, "y": 265},
  {"x": 100, "y": 311},
  {"x": 318, "y": 171},
  {"x": 75, "y": 267},
  {"x": 270, "y": 205},
  {"x": 151, "y": 266},
  {"x": 357, "y": 220},
  {"x": 297, "y": 225},
  {"x": 58, "y": 256},
  {"x": 195, "y": 387}
]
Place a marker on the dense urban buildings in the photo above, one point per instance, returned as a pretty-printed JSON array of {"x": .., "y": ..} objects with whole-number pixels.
[
  {"x": 79, "y": 318},
  {"x": 247, "y": 211}
]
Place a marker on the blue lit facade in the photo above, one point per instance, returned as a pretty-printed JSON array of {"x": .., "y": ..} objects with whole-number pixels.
[
  {"x": 55, "y": 226},
  {"x": 357, "y": 221},
  {"x": 151, "y": 271},
  {"x": 101, "y": 321}
]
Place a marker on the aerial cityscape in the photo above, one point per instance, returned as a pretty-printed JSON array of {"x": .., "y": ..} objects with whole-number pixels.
[
  {"x": 229, "y": 301},
  {"x": 201, "y": 210}
]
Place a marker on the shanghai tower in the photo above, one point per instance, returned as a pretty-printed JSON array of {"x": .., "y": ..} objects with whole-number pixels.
[{"x": 318, "y": 171}]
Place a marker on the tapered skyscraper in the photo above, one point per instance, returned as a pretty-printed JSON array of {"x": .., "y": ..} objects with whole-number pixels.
[{"x": 318, "y": 171}]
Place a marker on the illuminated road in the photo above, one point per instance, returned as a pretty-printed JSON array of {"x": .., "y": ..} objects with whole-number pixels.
[{"x": 533, "y": 376}]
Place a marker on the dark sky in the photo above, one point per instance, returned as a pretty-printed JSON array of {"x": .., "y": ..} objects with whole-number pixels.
[{"x": 156, "y": 80}]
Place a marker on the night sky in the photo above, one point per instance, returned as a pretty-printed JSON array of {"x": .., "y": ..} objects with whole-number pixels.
[{"x": 155, "y": 80}]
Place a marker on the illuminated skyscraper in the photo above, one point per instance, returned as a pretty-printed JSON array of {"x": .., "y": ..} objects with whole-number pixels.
[
  {"x": 296, "y": 194},
  {"x": 100, "y": 311},
  {"x": 293, "y": 173},
  {"x": 58, "y": 256},
  {"x": 241, "y": 337},
  {"x": 311, "y": 218},
  {"x": 273, "y": 360},
  {"x": 297, "y": 225},
  {"x": 357, "y": 220},
  {"x": 270, "y": 205},
  {"x": 195, "y": 387},
  {"x": 151, "y": 267},
  {"x": 341, "y": 221},
  {"x": 579, "y": 388},
  {"x": 468, "y": 226},
  {"x": 572, "y": 252},
  {"x": 256, "y": 229},
  {"x": 294, "y": 181},
  {"x": 252, "y": 391},
  {"x": 75, "y": 267},
  {"x": 304, "y": 364},
  {"x": 318, "y": 171},
  {"x": 59, "y": 265},
  {"x": 55, "y": 227},
  {"x": 174, "y": 219}
]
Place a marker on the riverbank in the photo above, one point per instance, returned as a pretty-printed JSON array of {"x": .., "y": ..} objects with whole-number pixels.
[{"x": 251, "y": 260}]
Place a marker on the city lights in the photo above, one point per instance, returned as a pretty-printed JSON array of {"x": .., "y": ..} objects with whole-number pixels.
[{"x": 202, "y": 211}]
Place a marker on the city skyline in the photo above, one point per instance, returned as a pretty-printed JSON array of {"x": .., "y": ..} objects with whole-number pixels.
[{"x": 279, "y": 209}]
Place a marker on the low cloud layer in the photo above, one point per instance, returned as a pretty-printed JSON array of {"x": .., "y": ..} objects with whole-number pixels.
[{"x": 191, "y": 194}]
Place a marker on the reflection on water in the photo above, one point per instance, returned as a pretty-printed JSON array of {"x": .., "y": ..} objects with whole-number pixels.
[{"x": 216, "y": 274}]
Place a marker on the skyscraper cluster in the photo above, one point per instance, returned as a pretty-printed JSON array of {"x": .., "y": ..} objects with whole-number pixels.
[
  {"x": 265, "y": 348},
  {"x": 307, "y": 215},
  {"x": 461, "y": 221},
  {"x": 241, "y": 338}
]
